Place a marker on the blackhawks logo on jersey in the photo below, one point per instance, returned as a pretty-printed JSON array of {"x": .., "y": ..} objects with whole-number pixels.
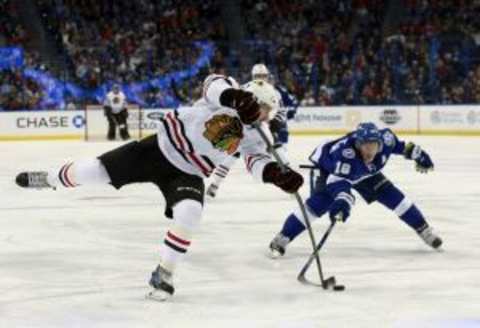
[{"x": 224, "y": 132}]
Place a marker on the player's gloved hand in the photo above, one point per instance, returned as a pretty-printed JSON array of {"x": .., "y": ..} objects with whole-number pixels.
[
  {"x": 244, "y": 102},
  {"x": 289, "y": 181},
  {"x": 341, "y": 206},
  {"x": 276, "y": 125},
  {"x": 423, "y": 162}
]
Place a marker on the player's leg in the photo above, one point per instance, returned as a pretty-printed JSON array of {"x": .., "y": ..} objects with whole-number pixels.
[
  {"x": 70, "y": 175},
  {"x": 184, "y": 197},
  {"x": 112, "y": 129},
  {"x": 316, "y": 205},
  {"x": 391, "y": 197},
  {"x": 121, "y": 119},
  {"x": 220, "y": 173},
  {"x": 126, "y": 164}
]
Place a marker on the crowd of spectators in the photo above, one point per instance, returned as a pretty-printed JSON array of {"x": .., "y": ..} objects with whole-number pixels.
[
  {"x": 128, "y": 41},
  {"x": 16, "y": 91},
  {"x": 332, "y": 52},
  {"x": 345, "y": 53}
]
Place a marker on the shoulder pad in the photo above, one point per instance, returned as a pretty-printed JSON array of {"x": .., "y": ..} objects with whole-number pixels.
[
  {"x": 388, "y": 138},
  {"x": 348, "y": 153}
]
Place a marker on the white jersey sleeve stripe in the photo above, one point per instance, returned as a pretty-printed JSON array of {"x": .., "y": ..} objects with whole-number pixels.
[{"x": 183, "y": 146}]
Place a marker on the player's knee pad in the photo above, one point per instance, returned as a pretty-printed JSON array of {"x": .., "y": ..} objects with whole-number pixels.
[
  {"x": 319, "y": 203},
  {"x": 91, "y": 171},
  {"x": 187, "y": 215},
  {"x": 395, "y": 200}
]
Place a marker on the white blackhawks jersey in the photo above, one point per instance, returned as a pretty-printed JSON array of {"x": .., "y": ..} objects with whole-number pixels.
[
  {"x": 196, "y": 139},
  {"x": 117, "y": 101}
]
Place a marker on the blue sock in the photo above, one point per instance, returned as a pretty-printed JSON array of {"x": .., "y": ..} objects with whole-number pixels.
[
  {"x": 292, "y": 227},
  {"x": 414, "y": 218}
]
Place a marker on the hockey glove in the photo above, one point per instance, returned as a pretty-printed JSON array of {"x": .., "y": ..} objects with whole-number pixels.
[
  {"x": 244, "y": 102},
  {"x": 423, "y": 162},
  {"x": 341, "y": 206},
  {"x": 289, "y": 181}
]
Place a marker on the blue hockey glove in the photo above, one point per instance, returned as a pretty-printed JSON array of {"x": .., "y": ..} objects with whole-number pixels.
[
  {"x": 423, "y": 162},
  {"x": 341, "y": 206}
]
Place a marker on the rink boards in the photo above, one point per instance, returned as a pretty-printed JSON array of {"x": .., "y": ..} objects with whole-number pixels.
[{"x": 92, "y": 125}]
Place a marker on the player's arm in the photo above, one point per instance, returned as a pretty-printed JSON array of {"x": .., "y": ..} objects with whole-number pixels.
[
  {"x": 107, "y": 105},
  {"x": 261, "y": 165},
  {"x": 423, "y": 162},
  {"x": 339, "y": 184},
  {"x": 224, "y": 91}
]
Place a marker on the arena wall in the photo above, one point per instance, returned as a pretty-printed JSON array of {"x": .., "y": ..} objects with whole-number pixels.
[{"x": 423, "y": 120}]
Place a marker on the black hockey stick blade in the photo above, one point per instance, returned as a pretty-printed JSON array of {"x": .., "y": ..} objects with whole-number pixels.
[{"x": 325, "y": 284}]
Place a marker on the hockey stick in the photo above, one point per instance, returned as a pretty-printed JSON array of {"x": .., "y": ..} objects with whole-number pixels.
[
  {"x": 325, "y": 283},
  {"x": 331, "y": 281}
]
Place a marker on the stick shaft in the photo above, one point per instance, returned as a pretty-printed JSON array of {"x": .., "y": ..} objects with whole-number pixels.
[{"x": 283, "y": 167}]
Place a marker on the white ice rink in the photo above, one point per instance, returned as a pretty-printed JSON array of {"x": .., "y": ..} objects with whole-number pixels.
[{"x": 82, "y": 258}]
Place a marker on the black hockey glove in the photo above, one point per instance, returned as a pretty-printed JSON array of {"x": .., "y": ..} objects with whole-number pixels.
[
  {"x": 244, "y": 102},
  {"x": 341, "y": 206},
  {"x": 289, "y": 181},
  {"x": 422, "y": 160},
  {"x": 276, "y": 125}
]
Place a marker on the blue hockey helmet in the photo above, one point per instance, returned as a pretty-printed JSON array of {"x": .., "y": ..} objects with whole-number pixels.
[{"x": 367, "y": 132}]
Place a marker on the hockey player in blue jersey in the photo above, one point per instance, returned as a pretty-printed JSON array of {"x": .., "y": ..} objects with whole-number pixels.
[{"x": 355, "y": 162}]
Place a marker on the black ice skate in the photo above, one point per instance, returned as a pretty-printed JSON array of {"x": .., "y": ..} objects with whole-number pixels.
[
  {"x": 430, "y": 238},
  {"x": 37, "y": 180},
  {"x": 161, "y": 280},
  {"x": 278, "y": 246}
]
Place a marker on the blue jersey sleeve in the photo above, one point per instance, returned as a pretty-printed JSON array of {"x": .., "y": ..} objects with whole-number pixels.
[
  {"x": 390, "y": 140},
  {"x": 289, "y": 101}
]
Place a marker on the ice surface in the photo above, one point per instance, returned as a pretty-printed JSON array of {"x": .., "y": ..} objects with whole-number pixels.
[{"x": 82, "y": 258}]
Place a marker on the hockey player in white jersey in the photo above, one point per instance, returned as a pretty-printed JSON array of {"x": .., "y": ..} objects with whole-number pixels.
[
  {"x": 259, "y": 73},
  {"x": 115, "y": 107},
  {"x": 188, "y": 146}
]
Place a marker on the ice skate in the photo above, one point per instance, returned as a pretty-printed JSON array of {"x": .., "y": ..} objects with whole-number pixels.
[
  {"x": 161, "y": 281},
  {"x": 430, "y": 238},
  {"x": 278, "y": 246},
  {"x": 37, "y": 180}
]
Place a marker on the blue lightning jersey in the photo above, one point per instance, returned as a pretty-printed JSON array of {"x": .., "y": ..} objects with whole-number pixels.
[
  {"x": 288, "y": 101},
  {"x": 344, "y": 164}
]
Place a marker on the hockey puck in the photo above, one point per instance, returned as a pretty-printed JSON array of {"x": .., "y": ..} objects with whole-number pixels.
[{"x": 339, "y": 288}]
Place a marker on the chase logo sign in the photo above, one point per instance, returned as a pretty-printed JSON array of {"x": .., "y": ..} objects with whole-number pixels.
[
  {"x": 78, "y": 121},
  {"x": 390, "y": 116}
]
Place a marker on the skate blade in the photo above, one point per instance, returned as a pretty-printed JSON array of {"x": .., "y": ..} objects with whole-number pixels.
[
  {"x": 274, "y": 255},
  {"x": 158, "y": 295}
]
